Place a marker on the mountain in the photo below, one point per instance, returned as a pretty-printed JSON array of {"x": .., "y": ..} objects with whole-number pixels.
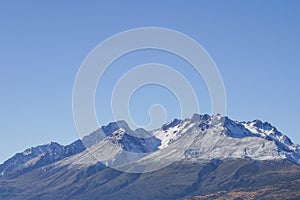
[
  {"x": 39, "y": 156},
  {"x": 201, "y": 157}
]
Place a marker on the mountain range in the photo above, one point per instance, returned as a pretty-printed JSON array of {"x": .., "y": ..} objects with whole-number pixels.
[{"x": 201, "y": 157}]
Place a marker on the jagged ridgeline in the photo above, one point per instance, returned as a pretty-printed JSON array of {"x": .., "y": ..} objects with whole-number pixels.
[{"x": 212, "y": 156}]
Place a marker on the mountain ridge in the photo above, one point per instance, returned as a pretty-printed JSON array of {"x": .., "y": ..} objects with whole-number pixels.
[
  {"x": 120, "y": 134},
  {"x": 194, "y": 158}
]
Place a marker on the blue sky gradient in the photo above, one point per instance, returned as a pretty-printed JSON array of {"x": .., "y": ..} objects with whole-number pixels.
[{"x": 255, "y": 45}]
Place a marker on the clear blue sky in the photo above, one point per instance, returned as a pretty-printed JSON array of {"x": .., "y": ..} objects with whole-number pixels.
[{"x": 255, "y": 45}]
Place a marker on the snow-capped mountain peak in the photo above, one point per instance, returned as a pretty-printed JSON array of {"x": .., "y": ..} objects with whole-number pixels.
[
  {"x": 218, "y": 136},
  {"x": 38, "y": 156},
  {"x": 198, "y": 138}
]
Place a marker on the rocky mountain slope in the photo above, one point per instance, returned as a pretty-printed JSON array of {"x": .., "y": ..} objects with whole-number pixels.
[{"x": 195, "y": 158}]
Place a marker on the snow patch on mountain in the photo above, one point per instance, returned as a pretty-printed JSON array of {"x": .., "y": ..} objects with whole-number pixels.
[
  {"x": 42, "y": 155},
  {"x": 198, "y": 138}
]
